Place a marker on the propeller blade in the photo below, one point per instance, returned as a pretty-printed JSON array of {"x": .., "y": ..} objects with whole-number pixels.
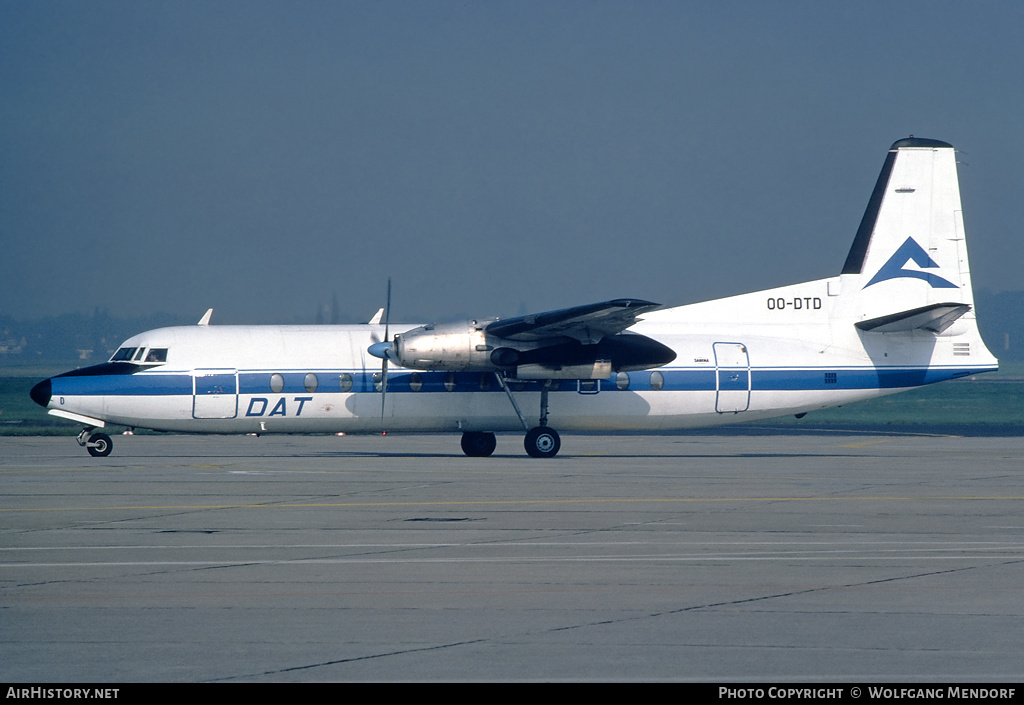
[
  {"x": 382, "y": 348},
  {"x": 387, "y": 314},
  {"x": 383, "y": 390},
  {"x": 386, "y": 347}
]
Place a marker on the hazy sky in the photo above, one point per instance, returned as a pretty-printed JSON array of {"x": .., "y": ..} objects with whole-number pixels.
[{"x": 492, "y": 157}]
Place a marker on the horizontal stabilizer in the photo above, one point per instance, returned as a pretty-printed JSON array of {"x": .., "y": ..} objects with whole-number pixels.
[{"x": 935, "y": 318}]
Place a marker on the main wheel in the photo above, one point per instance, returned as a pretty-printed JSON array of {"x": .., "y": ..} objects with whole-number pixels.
[
  {"x": 542, "y": 442},
  {"x": 99, "y": 445},
  {"x": 476, "y": 444}
]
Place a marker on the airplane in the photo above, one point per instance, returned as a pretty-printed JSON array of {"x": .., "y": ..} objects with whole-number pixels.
[{"x": 900, "y": 314}]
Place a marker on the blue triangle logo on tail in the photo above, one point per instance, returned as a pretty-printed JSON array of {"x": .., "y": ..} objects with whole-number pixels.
[{"x": 910, "y": 250}]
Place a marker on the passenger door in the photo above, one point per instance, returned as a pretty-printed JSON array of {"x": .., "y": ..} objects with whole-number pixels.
[
  {"x": 214, "y": 394},
  {"x": 732, "y": 378}
]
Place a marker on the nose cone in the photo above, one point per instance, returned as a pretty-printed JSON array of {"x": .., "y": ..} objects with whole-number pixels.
[
  {"x": 381, "y": 350},
  {"x": 41, "y": 393}
]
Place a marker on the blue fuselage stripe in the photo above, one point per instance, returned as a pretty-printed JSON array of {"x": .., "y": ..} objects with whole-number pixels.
[{"x": 696, "y": 380}]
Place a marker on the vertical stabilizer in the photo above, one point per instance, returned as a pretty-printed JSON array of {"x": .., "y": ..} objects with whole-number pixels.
[
  {"x": 906, "y": 281},
  {"x": 909, "y": 252}
]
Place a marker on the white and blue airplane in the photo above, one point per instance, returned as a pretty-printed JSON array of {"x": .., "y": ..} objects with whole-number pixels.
[{"x": 898, "y": 316}]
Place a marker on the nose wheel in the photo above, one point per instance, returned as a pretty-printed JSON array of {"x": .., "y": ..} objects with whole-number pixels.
[{"x": 99, "y": 445}]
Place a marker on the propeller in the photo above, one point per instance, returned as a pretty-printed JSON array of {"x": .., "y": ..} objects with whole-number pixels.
[{"x": 384, "y": 350}]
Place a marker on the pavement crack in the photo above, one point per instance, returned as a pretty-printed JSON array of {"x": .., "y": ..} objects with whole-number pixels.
[
  {"x": 761, "y": 598},
  {"x": 335, "y": 662}
]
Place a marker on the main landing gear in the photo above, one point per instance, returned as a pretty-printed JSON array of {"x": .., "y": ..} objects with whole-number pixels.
[
  {"x": 541, "y": 441},
  {"x": 99, "y": 445},
  {"x": 476, "y": 444}
]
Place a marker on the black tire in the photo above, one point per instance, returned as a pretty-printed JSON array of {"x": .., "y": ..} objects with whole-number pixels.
[
  {"x": 103, "y": 445},
  {"x": 542, "y": 442},
  {"x": 477, "y": 444}
]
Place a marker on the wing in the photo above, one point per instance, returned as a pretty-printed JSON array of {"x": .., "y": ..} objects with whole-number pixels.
[{"x": 587, "y": 324}]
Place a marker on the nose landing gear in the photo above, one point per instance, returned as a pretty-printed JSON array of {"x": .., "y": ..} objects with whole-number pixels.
[{"x": 99, "y": 445}]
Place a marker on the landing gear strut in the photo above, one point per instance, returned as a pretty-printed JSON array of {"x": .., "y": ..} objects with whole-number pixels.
[
  {"x": 478, "y": 445},
  {"x": 99, "y": 445},
  {"x": 541, "y": 441}
]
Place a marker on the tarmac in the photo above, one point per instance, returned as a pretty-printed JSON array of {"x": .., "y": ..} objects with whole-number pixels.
[{"x": 822, "y": 557}]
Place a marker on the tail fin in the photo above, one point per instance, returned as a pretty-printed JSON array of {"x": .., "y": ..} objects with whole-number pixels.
[
  {"x": 907, "y": 272},
  {"x": 909, "y": 255}
]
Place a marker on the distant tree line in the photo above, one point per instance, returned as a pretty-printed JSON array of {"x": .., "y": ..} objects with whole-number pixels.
[
  {"x": 75, "y": 338},
  {"x": 1001, "y": 321}
]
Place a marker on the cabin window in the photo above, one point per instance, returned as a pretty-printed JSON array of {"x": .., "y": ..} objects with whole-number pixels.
[
  {"x": 157, "y": 355},
  {"x": 449, "y": 382},
  {"x": 311, "y": 382},
  {"x": 485, "y": 381},
  {"x": 622, "y": 381},
  {"x": 378, "y": 381},
  {"x": 124, "y": 355},
  {"x": 415, "y": 381},
  {"x": 657, "y": 380},
  {"x": 276, "y": 382},
  {"x": 345, "y": 382}
]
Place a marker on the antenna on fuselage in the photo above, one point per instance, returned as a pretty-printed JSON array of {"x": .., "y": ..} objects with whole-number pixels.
[{"x": 205, "y": 320}]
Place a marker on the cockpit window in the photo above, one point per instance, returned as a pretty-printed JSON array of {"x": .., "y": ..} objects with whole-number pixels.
[{"x": 141, "y": 355}]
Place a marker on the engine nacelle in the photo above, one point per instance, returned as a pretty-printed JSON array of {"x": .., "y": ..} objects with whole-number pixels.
[{"x": 451, "y": 346}]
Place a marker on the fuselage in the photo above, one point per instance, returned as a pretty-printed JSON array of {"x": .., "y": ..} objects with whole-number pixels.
[{"x": 795, "y": 354}]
